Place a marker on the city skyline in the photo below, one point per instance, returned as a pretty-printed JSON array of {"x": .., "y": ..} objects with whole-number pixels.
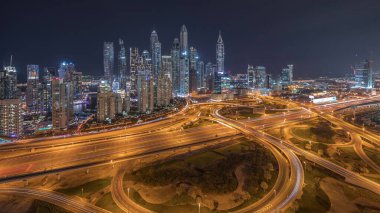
[
  {"x": 259, "y": 42},
  {"x": 190, "y": 106}
]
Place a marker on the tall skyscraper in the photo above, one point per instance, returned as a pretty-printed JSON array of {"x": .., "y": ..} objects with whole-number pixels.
[
  {"x": 10, "y": 104},
  {"x": 67, "y": 74},
  {"x": 364, "y": 75},
  {"x": 184, "y": 87},
  {"x": 260, "y": 76},
  {"x": 167, "y": 66},
  {"x": 156, "y": 53},
  {"x": 8, "y": 82},
  {"x": 142, "y": 92},
  {"x": 33, "y": 92},
  {"x": 108, "y": 61},
  {"x": 10, "y": 117},
  {"x": 175, "y": 54},
  {"x": 217, "y": 82},
  {"x": 220, "y": 54},
  {"x": 164, "y": 93},
  {"x": 183, "y": 39},
  {"x": 251, "y": 76},
  {"x": 184, "y": 65},
  {"x": 122, "y": 65},
  {"x": 209, "y": 75},
  {"x": 106, "y": 106},
  {"x": 133, "y": 65},
  {"x": 287, "y": 74},
  {"x": 65, "y": 71},
  {"x": 193, "y": 73},
  {"x": 201, "y": 80},
  {"x": 48, "y": 74},
  {"x": 62, "y": 108}
]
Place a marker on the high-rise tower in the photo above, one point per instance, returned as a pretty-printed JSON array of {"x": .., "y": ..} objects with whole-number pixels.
[
  {"x": 155, "y": 46},
  {"x": 364, "y": 75},
  {"x": 175, "y": 53},
  {"x": 184, "y": 63},
  {"x": 8, "y": 82},
  {"x": 33, "y": 96},
  {"x": 108, "y": 60},
  {"x": 220, "y": 54},
  {"x": 183, "y": 38},
  {"x": 133, "y": 65},
  {"x": 122, "y": 65}
]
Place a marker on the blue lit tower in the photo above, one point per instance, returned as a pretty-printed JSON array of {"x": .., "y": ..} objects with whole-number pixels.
[
  {"x": 184, "y": 62},
  {"x": 108, "y": 60},
  {"x": 33, "y": 96},
  {"x": 122, "y": 64},
  {"x": 175, "y": 53},
  {"x": 155, "y": 46},
  {"x": 220, "y": 55}
]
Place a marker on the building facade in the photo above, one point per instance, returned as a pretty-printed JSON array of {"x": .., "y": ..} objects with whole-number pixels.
[{"x": 108, "y": 61}]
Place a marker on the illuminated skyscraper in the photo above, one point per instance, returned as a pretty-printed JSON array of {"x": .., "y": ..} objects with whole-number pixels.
[
  {"x": 108, "y": 60},
  {"x": 251, "y": 76},
  {"x": 47, "y": 76},
  {"x": 33, "y": 92},
  {"x": 62, "y": 111},
  {"x": 106, "y": 106},
  {"x": 193, "y": 73},
  {"x": 183, "y": 39},
  {"x": 364, "y": 75},
  {"x": 209, "y": 75},
  {"x": 8, "y": 82},
  {"x": 164, "y": 93},
  {"x": 10, "y": 117},
  {"x": 217, "y": 80},
  {"x": 260, "y": 76},
  {"x": 67, "y": 74},
  {"x": 65, "y": 71},
  {"x": 287, "y": 74},
  {"x": 122, "y": 65},
  {"x": 10, "y": 104},
  {"x": 201, "y": 78},
  {"x": 133, "y": 65},
  {"x": 156, "y": 53},
  {"x": 167, "y": 65},
  {"x": 184, "y": 65},
  {"x": 175, "y": 53},
  {"x": 220, "y": 54}
]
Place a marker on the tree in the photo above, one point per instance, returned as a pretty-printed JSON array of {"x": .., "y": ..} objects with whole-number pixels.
[
  {"x": 264, "y": 185},
  {"x": 267, "y": 175}
]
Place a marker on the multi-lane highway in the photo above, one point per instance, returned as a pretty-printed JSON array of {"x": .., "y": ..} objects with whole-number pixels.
[{"x": 70, "y": 203}]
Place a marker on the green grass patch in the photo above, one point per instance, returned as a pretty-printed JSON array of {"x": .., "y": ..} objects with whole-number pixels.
[
  {"x": 106, "y": 202},
  {"x": 88, "y": 188},
  {"x": 314, "y": 199},
  {"x": 204, "y": 159}
]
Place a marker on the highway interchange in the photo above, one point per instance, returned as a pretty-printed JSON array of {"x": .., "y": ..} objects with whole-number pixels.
[{"x": 30, "y": 158}]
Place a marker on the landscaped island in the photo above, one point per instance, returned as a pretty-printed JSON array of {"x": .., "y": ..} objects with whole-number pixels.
[{"x": 223, "y": 179}]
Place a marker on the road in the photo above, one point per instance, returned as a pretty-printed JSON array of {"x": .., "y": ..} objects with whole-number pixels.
[
  {"x": 358, "y": 147},
  {"x": 70, "y": 203},
  {"x": 77, "y": 154},
  {"x": 288, "y": 186}
]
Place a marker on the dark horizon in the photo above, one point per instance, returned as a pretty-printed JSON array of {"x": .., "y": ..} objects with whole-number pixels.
[{"x": 323, "y": 38}]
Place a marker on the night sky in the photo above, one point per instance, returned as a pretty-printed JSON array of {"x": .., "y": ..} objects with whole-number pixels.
[{"x": 320, "y": 37}]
